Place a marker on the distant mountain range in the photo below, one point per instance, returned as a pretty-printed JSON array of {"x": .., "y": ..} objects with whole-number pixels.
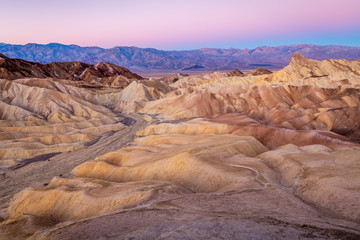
[{"x": 143, "y": 60}]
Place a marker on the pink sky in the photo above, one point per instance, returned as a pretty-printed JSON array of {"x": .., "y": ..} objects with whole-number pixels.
[{"x": 174, "y": 24}]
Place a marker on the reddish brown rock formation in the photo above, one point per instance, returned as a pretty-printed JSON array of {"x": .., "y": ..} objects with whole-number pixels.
[
  {"x": 103, "y": 73},
  {"x": 258, "y": 71},
  {"x": 292, "y": 107}
]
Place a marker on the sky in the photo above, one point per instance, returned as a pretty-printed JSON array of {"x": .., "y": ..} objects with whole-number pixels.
[{"x": 181, "y": 24}]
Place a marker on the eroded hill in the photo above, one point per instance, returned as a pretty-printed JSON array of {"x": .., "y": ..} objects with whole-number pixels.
[
  {"x": 100, "y": 74},
  {"x": 223, "y": 155}
]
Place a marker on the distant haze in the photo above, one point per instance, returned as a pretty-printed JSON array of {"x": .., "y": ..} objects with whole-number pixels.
[
  {"x": 181, "y": 24},
  {"x": 147, "y": 60}
]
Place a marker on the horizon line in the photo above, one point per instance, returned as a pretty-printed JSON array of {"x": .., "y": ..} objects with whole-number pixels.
[{"x": 194, "y": 49}]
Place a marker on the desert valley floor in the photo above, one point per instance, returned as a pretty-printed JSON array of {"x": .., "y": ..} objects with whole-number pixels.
[{"x": 97, "y": 152}]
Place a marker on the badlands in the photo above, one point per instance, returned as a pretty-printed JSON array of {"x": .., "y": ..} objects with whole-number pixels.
[{"x": 97, "y": 152}]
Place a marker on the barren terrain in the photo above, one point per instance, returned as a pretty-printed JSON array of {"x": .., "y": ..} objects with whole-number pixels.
[{"x": 224, "y": 155}]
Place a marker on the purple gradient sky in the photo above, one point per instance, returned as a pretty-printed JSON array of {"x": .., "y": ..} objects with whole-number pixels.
[{"x": 181, "y": 24}]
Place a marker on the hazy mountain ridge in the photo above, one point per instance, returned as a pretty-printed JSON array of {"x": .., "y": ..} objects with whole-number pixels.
[{"x": 150, "y": 59}]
